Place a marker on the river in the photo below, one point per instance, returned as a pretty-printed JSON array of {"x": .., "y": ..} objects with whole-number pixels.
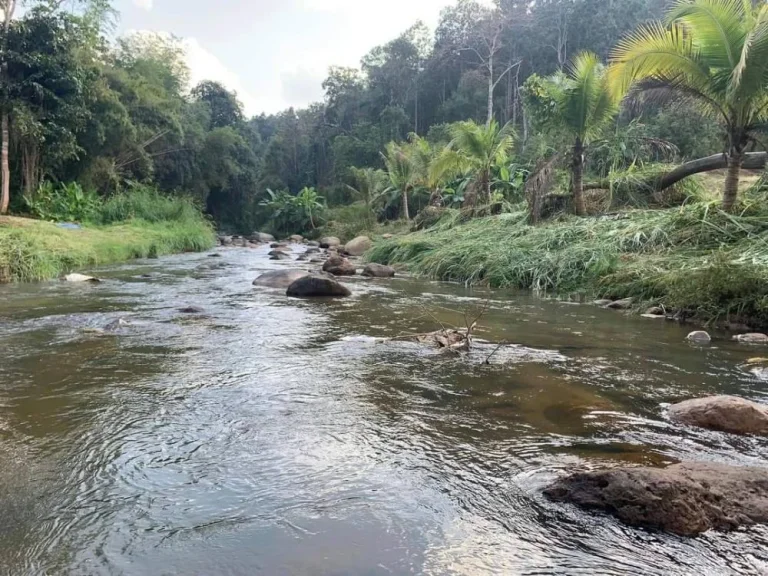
[{"x": 278, "y": 436}]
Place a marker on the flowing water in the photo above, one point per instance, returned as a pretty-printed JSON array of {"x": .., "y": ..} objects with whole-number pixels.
[{"x": 278, "y": 436}]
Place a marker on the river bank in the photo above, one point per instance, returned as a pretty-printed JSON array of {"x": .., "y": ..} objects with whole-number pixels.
[
  {"x": 35, "y": 250},
  {"x": 695, "y": 261}
]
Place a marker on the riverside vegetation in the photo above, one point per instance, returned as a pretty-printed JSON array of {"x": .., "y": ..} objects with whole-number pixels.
[{"x": 567, "y": 146}]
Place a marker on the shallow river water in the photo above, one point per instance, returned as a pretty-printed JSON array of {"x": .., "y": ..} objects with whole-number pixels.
[{"x": 277, "y": 436}]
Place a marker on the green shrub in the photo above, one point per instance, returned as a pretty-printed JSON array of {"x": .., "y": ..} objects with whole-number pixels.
[
  {"x": 141, "y": 202},
  {"x": 66, "y": 202}
]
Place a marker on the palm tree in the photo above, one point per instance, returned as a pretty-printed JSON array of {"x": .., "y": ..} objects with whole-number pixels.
[
  {"x": 584, "y": 105},
  {"x": 309, "y": 201},
  {"x": 475, "y": 150},
  {"x": 370, "y": 184},
  {"x": 714, "y": 52},
  {"x": 401, "y": 171}
]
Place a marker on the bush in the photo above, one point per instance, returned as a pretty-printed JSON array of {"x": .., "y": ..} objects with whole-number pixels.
[
  {"x": 141, "y": 202},
  {"x": 66, "y": 202}
]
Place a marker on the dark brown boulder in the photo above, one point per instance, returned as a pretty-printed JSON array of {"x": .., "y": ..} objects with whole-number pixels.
[
  {"x": 279, "y": 278},
  {"x": 722, "y": 413},
  {"x": 378, "y": 271},
  {"x": 685, "y": 499},
  {"x": 316, "y": 286},
  {"x": 339, "y": 266},
  {"x": 278, "y": 255}
]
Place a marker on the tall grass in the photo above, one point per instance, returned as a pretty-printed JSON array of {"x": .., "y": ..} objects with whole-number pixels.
[
  {"x": 144, "y": 203},
  {"x": 694, "y": 258}
]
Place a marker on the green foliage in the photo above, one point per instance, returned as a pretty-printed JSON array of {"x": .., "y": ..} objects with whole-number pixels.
[
  {"x": 289, "y": 214},
  {"x": 63, "y": 203},
  {"x": 145, "y": 203},
  {"x": 696, "y": 258}
]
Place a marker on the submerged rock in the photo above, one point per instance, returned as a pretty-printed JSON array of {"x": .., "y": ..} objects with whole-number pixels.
[
  {"x": 378, "y": 271},
  {"x": 358, "y": 246},
  {"x": 192, "y": 310},
  {"x": 225, "y": 240},
  {"x": 279, "y": 255},
  {"x": 313, "y": 244},
  {"x": 699, "y": 337},
  {"x": 751, "y": 338},
  {"x": 685, "y": 499},
  {"x": 722, "y": 413},
  {"x": 329, "y": 242},
  {"x": 317, "y": 286},
  {"x": 214, "y": 255},
  {"x": 115, "y": 325},
  {"x": 279, "y": 278},
  {"x": 80, "y": 278},
  {"x": 339, "y": 266}
]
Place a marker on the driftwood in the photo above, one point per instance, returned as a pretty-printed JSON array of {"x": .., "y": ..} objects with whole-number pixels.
[
  {"x": 752, "y": 161},
  {"x": 448, "y": 337}
]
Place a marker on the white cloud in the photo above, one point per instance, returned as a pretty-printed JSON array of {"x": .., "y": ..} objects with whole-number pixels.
[
  {"x": 203, "y": 65},
  {"x": 145, "y": 4}
]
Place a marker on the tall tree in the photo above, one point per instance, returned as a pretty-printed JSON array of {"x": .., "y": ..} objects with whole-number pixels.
[
  {"x": 714, "y": 52},
  {"x": 224, "y": 106}
]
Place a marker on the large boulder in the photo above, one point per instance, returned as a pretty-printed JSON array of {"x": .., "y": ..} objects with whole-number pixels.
[
  {"x": 329, "y": 242},
  {"x": 297, "y": 238},
  {"x": 685, "y": 499},
  {"x": 317, "y": 286},
  {"x": 279, "y": 251},
  {"x": 225, "y": 240},
  {"x": 339, "y": 266},
  {"x": 358, "y": 246},
  {"x": 261, "y": 237},
  {"x": 378, "y": 271},
  {"x": 624, "y": 304},
  {"x": 722, "y": 413},
  {"x": 279, "y": 255},
  {"x": 279, "y": 278},
  {"x": 699, "y": 337}
]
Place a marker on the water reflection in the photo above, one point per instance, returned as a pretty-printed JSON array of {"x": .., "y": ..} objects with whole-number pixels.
[{"x": 277, "y": 436}]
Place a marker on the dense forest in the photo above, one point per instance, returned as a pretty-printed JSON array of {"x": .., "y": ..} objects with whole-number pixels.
[{"x": 112, "y": 115}]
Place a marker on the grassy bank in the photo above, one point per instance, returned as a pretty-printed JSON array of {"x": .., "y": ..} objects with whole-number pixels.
[
  {"x": 35, "y": 250},
  {"x": 695, "y": 259}
]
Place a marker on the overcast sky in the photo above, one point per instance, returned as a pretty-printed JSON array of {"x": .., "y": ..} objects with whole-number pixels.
[{"x": 275, "y": 53}]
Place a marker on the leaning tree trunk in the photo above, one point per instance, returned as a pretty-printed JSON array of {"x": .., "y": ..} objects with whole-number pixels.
[
  {"x": 750, "y": 161},
  {"x": 405, "y": 204},
  {"x": 732, "y": 175},
  {"x": 578, "y": 179}
]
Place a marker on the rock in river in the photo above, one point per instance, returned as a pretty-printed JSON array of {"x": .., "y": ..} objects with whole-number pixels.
[
  {"x": 722, "y": 413},
  {"x": 699, "y": 337},
  {"x": 279, "y": 278},
  {"x": 329, "y": 242},
  {"x": 624, "y": 304},
  {"x": 358, "y": 246},
  {"x": 297, "y": 238},
  {"x": 80, "y": 278},
  {"x": 261, "y": 237},
  {"x": 751, "y": 338},
  {"x": 280, "y": 255},
  {"x": 191, "y": 310},
  {"x": 339, "y": 266},
  {"x": 315, "y": 286},
  {"x": 378, "y": 271},
  {"x": 685, "y": 499}
]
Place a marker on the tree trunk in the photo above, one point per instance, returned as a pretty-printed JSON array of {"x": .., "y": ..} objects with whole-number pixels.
[
  {"x": 405, "y": 204},
  {"x": 5, "y": 172},
  {"x": 731, "y": 192},
  {"x": 490, "y": 91},
  {"x": 750, "y": 161},
  {"x": 578, "y": 179}
]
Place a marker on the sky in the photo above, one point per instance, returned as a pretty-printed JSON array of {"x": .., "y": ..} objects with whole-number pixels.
[{"x": 275, "y": 53}]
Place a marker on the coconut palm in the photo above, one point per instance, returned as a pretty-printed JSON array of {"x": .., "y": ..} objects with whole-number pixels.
[
  {"x": 369, "y": 185},
  {"x": 401, "y": 170},
  {"x": 584, "y": 104},
  {"x": 714, "y": 52},
  {"x": 475, "y": 150}
]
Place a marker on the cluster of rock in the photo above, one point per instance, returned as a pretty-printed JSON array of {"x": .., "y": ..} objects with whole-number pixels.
[
  {"x": 337, "y": 261},
  {"x": 688, "y": 498}
]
